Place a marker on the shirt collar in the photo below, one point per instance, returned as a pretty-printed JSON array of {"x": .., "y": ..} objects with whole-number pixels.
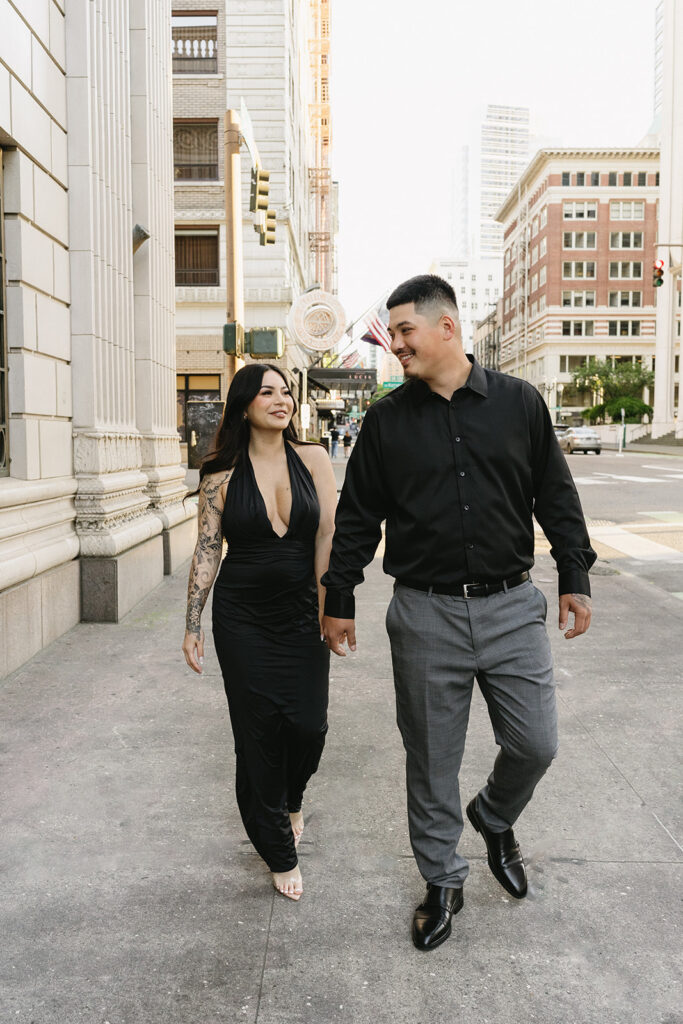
[{"x": 475, "y": 382}]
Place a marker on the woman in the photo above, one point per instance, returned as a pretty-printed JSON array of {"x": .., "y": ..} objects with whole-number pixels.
[
  {"x": 348, "y": 440},
  {"x": 273, "y": 499}
]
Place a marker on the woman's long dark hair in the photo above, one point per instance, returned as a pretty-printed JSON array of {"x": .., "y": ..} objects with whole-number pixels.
[{"x": 232, "y": 436}]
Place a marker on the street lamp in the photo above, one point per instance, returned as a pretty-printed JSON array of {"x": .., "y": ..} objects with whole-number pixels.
[{"x": 559, "y": 388}]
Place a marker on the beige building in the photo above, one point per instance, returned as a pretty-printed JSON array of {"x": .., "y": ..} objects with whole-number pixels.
[
  {"x": 91, "y": 484},
  {"x": 580, "y": 229},
  {"x": 274, "y": 58}
]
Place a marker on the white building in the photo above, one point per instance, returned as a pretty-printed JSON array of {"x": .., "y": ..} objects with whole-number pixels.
[
  {"x": 91, "y": 485},
  {"x": 504, "y": 155},
  {"x": 477, "y": 285},
  {"x": 459, "y": 242},
  {"x": 276, "y": 59}
]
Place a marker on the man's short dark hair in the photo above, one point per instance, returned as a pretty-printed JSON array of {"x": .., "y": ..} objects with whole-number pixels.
[{"x": 423, "y": 290}]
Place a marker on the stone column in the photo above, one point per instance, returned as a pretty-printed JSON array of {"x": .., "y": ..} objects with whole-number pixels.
[
  {"x": 120, "y": 534},
  {"x": 153, "y": 274}
]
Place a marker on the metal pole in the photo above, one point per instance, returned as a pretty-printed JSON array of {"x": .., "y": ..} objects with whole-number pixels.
[{"x": 234, "y": 275}]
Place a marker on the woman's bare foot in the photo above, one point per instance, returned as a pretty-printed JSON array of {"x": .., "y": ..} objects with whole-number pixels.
[
  {"x": 289, "y": 883},
  {"x": 297, "y": 820}
]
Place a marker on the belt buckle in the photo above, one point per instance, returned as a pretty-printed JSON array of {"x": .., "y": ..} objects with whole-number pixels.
[{"x": 465, "y": 590}]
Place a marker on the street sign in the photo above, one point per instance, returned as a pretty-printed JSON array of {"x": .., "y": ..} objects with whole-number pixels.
[{"x": 338, "y": 379}]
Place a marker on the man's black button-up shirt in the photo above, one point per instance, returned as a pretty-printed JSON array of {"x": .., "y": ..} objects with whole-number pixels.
[{"x": 458, "y": 484}]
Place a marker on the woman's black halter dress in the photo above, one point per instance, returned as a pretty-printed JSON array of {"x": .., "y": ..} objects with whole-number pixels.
[{"x": 275, "y": 666}]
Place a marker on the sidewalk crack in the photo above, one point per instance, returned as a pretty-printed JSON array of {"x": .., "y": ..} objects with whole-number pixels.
[{"x": 265, "y": 958}]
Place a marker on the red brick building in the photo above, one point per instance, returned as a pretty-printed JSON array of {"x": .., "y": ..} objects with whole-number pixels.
[{"x": 579, "y": 231}]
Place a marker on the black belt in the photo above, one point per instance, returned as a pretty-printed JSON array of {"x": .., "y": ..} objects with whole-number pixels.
[{"x": 468, "y": 589}]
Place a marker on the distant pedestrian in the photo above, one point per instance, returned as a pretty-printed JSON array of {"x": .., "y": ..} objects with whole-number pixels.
[
  {"x": 348, "y": 441},
  {"x": 334, "y": 437},
  {"x": 457, "y": 460},
  {"x": 272, "y": 497}
]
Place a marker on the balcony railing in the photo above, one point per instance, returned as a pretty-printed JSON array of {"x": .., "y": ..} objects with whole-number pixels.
[
  {"x": 205, "y": 276},
  {"x": 196, "y": 172},
  {"x": 195, "y": 51}
]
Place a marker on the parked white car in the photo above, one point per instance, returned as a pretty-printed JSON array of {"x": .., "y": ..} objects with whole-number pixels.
[{"x": 580, "y": 439}]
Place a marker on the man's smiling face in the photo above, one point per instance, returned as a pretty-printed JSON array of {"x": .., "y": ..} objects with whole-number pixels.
[{"x": 417, "y": 340}]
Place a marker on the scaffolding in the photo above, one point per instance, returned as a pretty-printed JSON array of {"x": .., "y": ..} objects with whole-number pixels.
[{"x": 320, "y": 177}]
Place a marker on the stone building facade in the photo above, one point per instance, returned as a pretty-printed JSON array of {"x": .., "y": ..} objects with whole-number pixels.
[
  {"x": 269, "y": 55},
  {"x": 91, "y": 485},
  {"x": 580, "y": 230}
]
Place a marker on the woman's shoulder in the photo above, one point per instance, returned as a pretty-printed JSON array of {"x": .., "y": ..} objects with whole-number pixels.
[
  {"x": 311, "y": 454},
  {"x": 213, "y": 485}
]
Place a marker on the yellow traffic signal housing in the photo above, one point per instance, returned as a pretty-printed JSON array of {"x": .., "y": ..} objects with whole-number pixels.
[
  {"x": 268, "y": 231},
  {"x": 260, "y": 187}
]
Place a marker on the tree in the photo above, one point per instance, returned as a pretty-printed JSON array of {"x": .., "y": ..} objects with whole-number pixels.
[{"x": 619, "y": 386}]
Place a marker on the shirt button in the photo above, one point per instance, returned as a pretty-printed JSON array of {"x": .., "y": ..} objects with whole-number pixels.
[
  {"x": 470, "y": 546},
  {"x": 457, "y": 439},
  {"x": 462, "y": 472},
  {"x": 466, "y": 507}
]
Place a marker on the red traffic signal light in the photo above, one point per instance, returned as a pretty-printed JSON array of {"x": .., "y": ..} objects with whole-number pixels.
[{"x": 657, "y": 273}]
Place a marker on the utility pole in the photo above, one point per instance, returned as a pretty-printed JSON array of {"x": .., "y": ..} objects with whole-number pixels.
[{"x": 234, "y": 277}]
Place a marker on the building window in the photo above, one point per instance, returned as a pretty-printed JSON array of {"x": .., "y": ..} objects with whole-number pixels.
[
  {"x": 577, "y": 328},
  {"x": 544, "y": 216},
  {"x": 625, "y": 271},
  {"x": 627, "y": 210},
  {"x": 625, "y": 299},
  {"x": 4, "y": 408},
  {"x": 612, "y": 179},
  {"x": 642, "y": 178},
  {"x": 576, "y": 271},
  {"x": 579, "y": 211},
  {"x": 578, "y": 299},
  {"x": 534, "y": 254},
  {"x": 626, "y": 240},
  {"x": 194, "y": 44},
  {"x": 566, "y": 178},
  {"x": 595, "y": 178},
  {"x": 541, "y": 276},
  {"x": 580, "y": 178},
  {"x": 543, "y": 247},
  {"x": 657, "y": 178},
  {"x": 534, "y": 282},
  {"x": 570, "y": 363},
  {"x": 624, "y": 328},
  {"x": 194, "y": 388},
  {"x": 195, "y": 151},
  {"x": 628, "y": 177},
  {"x": 579, "y": 240},
  {"x": 196, "y": 256}
]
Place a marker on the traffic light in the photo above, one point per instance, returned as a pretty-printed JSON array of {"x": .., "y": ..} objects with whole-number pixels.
[
  {"x": 267, "y": 234},
  {"x": 657, "y": 273},
  {"x": 260, "y": 185}
]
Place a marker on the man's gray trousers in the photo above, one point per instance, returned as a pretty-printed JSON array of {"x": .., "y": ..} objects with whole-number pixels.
[{"x": 439, "y": 645}]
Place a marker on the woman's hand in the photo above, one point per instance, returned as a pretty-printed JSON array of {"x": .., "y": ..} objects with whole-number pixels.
[{"x": 193, "y": 649}]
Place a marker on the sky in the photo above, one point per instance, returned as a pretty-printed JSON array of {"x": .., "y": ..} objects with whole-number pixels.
[{"x": 409, "y": 86}]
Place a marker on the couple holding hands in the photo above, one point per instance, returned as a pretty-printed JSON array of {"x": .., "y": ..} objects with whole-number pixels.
[{"x": 456, "y": 462}]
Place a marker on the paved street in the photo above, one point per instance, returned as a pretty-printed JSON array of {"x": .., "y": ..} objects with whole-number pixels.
[{"x": 131, "y": 896}]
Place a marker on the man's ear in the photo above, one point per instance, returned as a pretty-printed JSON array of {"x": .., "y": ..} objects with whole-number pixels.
[{"x": 451, "y": 327}]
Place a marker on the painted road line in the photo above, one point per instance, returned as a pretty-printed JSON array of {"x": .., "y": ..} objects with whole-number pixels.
[
  {"x": 636, "y": 479},
  {"x": 587, "y": 481},
  {"x": 634, "y": 545}
]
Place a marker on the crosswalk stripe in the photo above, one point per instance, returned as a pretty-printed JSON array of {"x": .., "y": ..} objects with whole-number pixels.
[{"x": 635, "y": 545}]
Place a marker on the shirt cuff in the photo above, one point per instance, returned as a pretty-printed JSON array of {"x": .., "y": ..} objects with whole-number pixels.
[
  {"x": 574, "y": 581},
  {"x": 340, "y": 604}
]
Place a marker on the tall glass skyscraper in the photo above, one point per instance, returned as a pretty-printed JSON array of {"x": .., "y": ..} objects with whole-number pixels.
[{"x": 504, "y": 155}]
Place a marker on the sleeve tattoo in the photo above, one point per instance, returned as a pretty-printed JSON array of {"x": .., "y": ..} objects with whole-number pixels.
[{"x": 207, "y": 554}]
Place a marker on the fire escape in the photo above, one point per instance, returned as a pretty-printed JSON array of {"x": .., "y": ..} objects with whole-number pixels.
[{"x": 320, "y": 176}]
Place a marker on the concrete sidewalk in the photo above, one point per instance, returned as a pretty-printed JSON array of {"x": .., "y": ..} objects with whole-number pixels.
[{"x": 131, "y": 896}]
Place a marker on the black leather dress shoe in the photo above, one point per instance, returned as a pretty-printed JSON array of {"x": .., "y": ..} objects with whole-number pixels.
[
  {"x": 432, "y": 919},
  {"x": 505, "y": 857}
]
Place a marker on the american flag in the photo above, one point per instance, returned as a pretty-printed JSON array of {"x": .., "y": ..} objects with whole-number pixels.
[
  {"x": 350, "y": 360},
  {"x": 377, "y": 333}
]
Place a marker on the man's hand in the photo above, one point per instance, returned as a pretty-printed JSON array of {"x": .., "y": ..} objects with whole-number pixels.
[
  {"x": 580, "y": 605},
  {"x": 336, "y": 631}
]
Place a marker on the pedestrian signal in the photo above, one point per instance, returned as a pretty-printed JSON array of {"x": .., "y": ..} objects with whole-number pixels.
[
  {"x": 658, "y": 273},
  {"x": 260, "y": 186}
]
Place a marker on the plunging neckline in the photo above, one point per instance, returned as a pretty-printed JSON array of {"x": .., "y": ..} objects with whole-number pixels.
[{"x": 280, "y": 536}]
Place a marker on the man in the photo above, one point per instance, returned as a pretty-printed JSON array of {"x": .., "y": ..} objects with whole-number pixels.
[
  {"x": 334, "y": 437},
  {"x": 456, "y": 461}
]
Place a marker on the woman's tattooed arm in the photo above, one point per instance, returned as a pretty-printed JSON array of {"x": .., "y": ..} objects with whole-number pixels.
[{"x": 207, "y": 553}]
